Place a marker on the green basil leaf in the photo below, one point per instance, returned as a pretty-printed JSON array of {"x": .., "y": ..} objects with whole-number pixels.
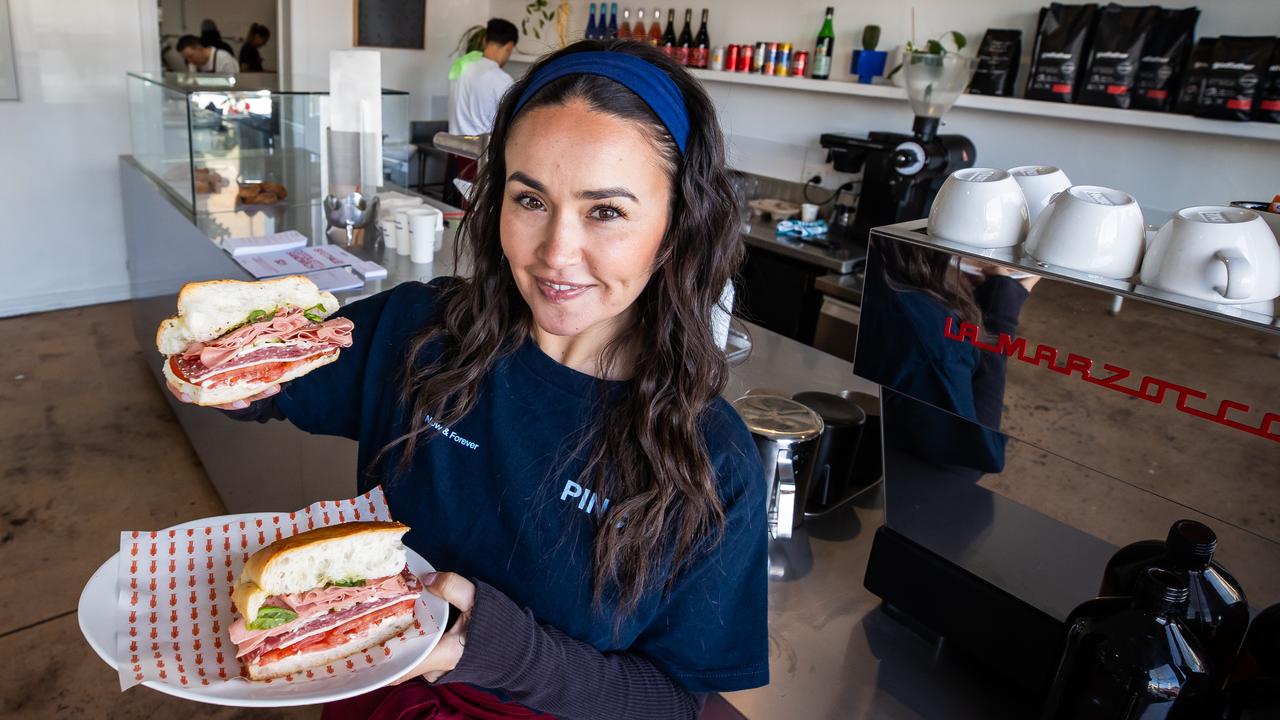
[
  {"x": 269, "y": 617},
  {"x": 256, "y": 315},
  {"x": 348, "y": 583}
]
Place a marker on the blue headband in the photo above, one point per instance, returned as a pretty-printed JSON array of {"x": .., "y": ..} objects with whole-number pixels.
[{"x": 646, "y": 80}]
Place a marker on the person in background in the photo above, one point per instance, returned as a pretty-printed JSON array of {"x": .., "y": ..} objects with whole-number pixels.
[
  {"x": 203, "y": 59},
  {"x": 476, "y": 84},
  {"x": 250, "y": 58},
  {"x": 212, "y": 37}
]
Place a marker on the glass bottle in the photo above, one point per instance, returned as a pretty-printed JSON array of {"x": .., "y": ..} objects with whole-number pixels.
[
  {"x": 637, "y": 31},
  {"x": 669, "y": 36},
  {"x": 655, "y": 30},
  {"x": 821, "y": 62},
  {"x": 1132, "y": 658},
  {"x": 701, "y": 45},
  {"x": 613, "y": 21},
  {"x": 1217, "y": 611},
  {"x": 685, "y": 43},
  {"x": 591, "y": 23},
  {"x": 625, "y": 31}
]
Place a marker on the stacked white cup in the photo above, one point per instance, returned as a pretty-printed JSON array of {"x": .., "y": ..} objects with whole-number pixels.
[{"x": 422, "y": 233}]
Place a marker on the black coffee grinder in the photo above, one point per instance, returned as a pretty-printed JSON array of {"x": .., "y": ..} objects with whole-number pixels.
[{"x": 901, "y": 174}]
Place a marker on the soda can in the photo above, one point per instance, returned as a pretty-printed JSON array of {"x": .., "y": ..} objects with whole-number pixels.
[
  {"x": 767, "y": 63},
  {"x": 745, "y": 58},
  {"x": 757, "y": 61},
  {"x": 798, "y": 63},
  {"x": 782, "y": 60},
  {"x": 717, "y": 58},
  {"x": 731, "y": 58}
]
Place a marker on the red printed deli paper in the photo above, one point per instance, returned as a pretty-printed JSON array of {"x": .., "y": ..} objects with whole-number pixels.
[{"x": 175, "y": 595}]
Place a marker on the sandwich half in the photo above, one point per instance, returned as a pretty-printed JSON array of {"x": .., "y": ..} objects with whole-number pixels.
[
  {"x": 231, "y": 340},
  {"x": 310, "y": 599}
]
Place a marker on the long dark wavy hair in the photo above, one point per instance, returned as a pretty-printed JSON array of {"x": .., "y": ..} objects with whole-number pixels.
[
  {"x": 931, "y": 272},
  {"x": 652, "y": 463}
]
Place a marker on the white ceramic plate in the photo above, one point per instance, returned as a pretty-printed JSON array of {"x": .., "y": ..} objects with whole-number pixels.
[{"x": 98, "y": 608}]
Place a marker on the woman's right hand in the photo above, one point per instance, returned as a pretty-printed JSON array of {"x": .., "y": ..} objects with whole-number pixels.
[{"x": 237, "y": 405}]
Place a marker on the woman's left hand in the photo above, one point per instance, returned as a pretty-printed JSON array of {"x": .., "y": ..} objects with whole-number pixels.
[{"x": 461, "y": 593}]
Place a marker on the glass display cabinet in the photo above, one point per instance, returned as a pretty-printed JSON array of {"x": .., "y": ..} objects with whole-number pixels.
[
  {"x": 206, "y": 137},
  {"x": 1028, "y": 436}
]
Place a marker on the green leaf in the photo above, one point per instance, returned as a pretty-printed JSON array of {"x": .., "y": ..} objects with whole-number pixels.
[
  {"x": 959, "y": 39},
  {"x": 348, "y": 583},
  {"x": 256, "y": 315},
  {"x": 269, "y": 617},
  {"x": 537, "y": 34},
  {"x": 313, "y": 316},
  {"x": 935, "y": 48}
]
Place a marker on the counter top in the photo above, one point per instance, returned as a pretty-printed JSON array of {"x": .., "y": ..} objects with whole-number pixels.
[{"x": 842, "y": 258}]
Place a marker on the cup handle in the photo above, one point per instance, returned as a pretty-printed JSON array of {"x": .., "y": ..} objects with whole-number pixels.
[
  {"x": 1239, "y": 274},
  {"x": 786, "y": 515}
]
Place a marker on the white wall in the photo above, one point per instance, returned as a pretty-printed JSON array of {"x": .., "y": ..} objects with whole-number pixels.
[
  {"x": 319, "y": 26},
  {"x": 775, "y": 132},
  {"x": 63, "y": 235}
]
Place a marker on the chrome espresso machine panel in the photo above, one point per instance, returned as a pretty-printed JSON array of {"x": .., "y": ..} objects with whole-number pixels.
[{"x": 1028, "y": 435}]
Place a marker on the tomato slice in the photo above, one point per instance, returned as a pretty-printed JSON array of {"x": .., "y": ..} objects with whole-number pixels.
[
  {"x": 253, "y": 373},
  {"x": 337, "y": 636}
]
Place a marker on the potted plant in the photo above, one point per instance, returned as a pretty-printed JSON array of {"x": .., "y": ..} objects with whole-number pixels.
[
  {"x": 932, "y": 47},
  {"x": 869, "y": 62}
]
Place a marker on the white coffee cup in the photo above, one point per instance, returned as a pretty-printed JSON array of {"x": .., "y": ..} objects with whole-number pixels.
[
  {"x": 422, "y": 232},
  {"x": 1039, "y": 184},
  {"x": 982, "y": 207},
  {"x": 808, "y": 212},
  {"x": 1215, "y": 253},
  {"x": 1092, "y": 229}
]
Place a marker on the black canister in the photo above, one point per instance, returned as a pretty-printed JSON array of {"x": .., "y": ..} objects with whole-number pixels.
[{"x": 829, "y": 469}]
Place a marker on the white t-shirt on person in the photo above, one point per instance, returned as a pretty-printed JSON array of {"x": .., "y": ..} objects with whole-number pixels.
[
  {"x": 474, "y": 97},
  {"x": 220, "y": 62}
]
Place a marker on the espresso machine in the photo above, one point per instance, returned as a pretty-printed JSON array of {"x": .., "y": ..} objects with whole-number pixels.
[{"x": 901, "y": 173}]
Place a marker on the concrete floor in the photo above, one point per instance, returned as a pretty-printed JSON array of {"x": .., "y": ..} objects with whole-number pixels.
[{"x": 88, "y": 447}]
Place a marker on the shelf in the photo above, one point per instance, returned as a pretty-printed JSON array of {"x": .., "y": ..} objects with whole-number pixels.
[
  {"x": 1016, "y": 106},
  {"x": 1252, "y": 315}
]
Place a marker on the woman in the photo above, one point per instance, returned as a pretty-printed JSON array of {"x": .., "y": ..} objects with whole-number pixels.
[
  {"x": 551, "y": 427},
  {"x": 910, "y": 295},
  {"x": 250, "y": 58}
]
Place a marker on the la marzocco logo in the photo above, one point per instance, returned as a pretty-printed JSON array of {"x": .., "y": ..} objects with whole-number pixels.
[
  {"x": 1056, "y": 55},
  {"x": 1152, "y": 389},
  {"x": 1233, "y": 66},
  {"x": 1155, "y": 59},
  {"x": 1112, "y": 55}
]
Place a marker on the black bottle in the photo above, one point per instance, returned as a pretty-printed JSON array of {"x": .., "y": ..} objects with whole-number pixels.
[
  {"x": 1217, "y": 611},
  {"x": 1132, "y": 658},
  {"x": 1253, "y": 692}
]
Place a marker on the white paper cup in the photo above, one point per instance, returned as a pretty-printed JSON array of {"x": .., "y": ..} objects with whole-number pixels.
[
  {"x": 982, "y": 207},
  {"x": 401, "y": 216},
  {"x": 422, "y": 232},
  {"x": 1039, "y": 184},
  {"x": 410, "y": 228},
  {"x": 808, "y": 212},
  {"x": 1091, "y": 229}
]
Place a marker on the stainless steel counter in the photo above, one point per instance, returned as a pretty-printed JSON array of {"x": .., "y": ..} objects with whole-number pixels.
[
  {"x": 833, "y": 652},
  {"x": 840, "y": 259}
]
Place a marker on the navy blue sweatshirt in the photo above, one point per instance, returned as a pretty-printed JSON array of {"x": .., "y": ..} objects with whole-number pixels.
[{"x": 497, "y": 497}]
